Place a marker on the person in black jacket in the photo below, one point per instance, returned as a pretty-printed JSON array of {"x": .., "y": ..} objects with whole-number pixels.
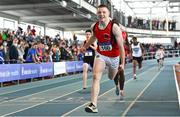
[
  {"x": 2, "y": 54},
  {"x": 13, "y": 52}
]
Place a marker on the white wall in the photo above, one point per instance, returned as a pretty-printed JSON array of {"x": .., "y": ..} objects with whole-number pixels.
[
  {"x": 122, "y": 6},
  {"x": 53, "y": 32},
  {"x": 8, "y": 23},
  {"x": 178, "y": 40},
  {"x": 68, "y": 35},
  {"x": 1, "y": 22}
]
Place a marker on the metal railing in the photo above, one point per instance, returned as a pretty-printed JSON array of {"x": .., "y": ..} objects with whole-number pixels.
[
  {"x": 168, "y": 54},
  {"x": 151, "y": 55}
]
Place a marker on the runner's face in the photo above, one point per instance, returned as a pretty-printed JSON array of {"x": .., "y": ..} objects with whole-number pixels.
[
  {"x": 88, "y": 35},
  {"x": 134, "y": 40},
  {"x": 102, "y": 13}
]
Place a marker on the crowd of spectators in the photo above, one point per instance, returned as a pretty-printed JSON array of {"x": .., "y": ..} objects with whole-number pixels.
[
  {"x": 26, "y": 47},
  {"x": 153, "y": 47},
  {"x": 145, "y": 24}
]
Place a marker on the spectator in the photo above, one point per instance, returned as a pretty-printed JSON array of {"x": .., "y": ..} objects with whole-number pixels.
[
  {"x": 28, "y": 29},
  {"x": 175, "y": 44},
  {"x": 40, "y": 50},
  {"x": 47, "y": 57},
  {"x": 19, "y": 31},
  {"x": 27, "y": 46},
  {"x": 55, "y": 53},
  {"x": 32, "y": 54},
  {"x": 13, "y": 52},
  {"x": 2, "y": 54},
  {"x": 33, "y": 31},
  {"x": 64, "y": 53},
  {"x": 75, "y": 52},
  {"x": 21, "y": 52}
]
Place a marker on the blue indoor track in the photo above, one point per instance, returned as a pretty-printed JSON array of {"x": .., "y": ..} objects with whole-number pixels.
[{"x": 153, "y": 93}]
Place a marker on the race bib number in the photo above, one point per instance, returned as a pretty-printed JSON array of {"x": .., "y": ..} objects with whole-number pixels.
[
  {"x": 88, "y": 53},
  {"x": 105, "y": 47},
  {"x": 136, "y": 50}
]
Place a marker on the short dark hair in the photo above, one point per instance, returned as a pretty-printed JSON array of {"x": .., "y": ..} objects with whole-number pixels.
[
  {"x": 88, "y": 31},
  {"x": 134, "y": 38},
  {"x": 102, "y": 5}
]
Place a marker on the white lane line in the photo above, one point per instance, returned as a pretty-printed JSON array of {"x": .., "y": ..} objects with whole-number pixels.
[
  {"x": 40, "y": 103},
  {"x": 37, "y": 93},
  {"x": 118, "y": 100},
  {"x": 43, "y": 85},
  {"x": 42, "y": 92},
  {"x": 47, "y": 90},
  {"x": 49, "y": 83},
  {"x": 149, "y": 101},
  {"x": 58, "y": 97},
  {"x": 100, "y": 96},
  {"x": 88, "y": 102},
  {"x": 63, "y": 79},
  {"x": 133, "y": 102},
  {"x": 66, "y": 114},
  {"x": 46, "y": 101},
  {"x": 78, "y": 102},
  {"x": 177, "y": 85},
  {"x": 40, "y": 84}
]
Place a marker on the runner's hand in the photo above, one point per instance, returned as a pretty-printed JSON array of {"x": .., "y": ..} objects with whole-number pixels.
[
  {"x": 121, "y": 67},
  {"x": 130, "y": 57},
  {"x": 82, "y": 49}
]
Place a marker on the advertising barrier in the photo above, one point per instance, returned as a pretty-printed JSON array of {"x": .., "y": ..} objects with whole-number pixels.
[
  {"x": 29, "y": 70},
  {"x": 10, "y": 72},
  {"x": 46, "y": 69},
  {"x": 78, "y": 66},
  {"x": 70, "y": 66},
  {"x": 59, "y": 68}
]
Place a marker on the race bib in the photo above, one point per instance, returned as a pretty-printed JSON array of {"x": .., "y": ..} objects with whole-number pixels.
[
  {"x": 88, "y": 53},
  {"x": 135, "y": 50},
  {"x": 105, "y": 47}
]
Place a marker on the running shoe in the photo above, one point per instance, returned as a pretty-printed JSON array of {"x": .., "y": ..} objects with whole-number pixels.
[
  {"x": 140, "y": 69},
  {"x": 91, "y": 108},
  {"x": 117, "y": 91}
]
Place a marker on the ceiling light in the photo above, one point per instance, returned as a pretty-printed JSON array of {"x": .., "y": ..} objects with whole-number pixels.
[
  {"x": 79, "y": 6},
  {"x": 74, "y": 14},
  {"x": 63, "y": 3},
  {"x": 88, "y": 16}
]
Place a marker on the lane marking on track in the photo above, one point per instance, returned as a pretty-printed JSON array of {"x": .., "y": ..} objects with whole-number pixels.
[
  {"x": 88, "y": 101},
  {"x": 134, "y": 101},
  {"x": 47, "y": 91},
  {"x": 60, "y": 96},
  {"x": 66, "y": 79},
  {"x": 177, "y": 85},
  {"x": 67, "y": 113},
  {"x": 48, "y": 100},
  {"x": 40, "y": 85}
]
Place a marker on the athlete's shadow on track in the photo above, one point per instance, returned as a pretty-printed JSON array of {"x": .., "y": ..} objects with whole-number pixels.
[{"x": 84, "y": 91}]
